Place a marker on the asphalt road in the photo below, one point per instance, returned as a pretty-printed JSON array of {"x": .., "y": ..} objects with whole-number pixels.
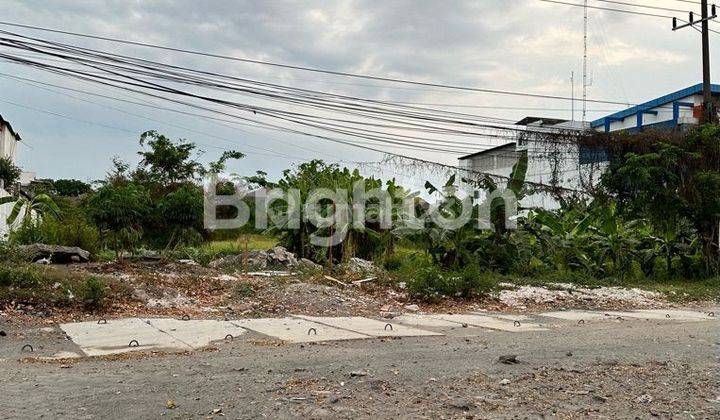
[{"x": 611, "y": 369}]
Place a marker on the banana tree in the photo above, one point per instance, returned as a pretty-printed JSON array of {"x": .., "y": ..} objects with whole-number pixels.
[{"x": 39, "y": 206}]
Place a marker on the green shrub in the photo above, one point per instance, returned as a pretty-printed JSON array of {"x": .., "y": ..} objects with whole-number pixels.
[
  {"x": 92, "y": 293},
  {"x": 20, "y": 277},
  {"x": 394, "y": 262}
]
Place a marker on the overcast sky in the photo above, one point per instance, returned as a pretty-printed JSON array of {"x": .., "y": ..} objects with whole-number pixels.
[{"x": 518, "y": 45}]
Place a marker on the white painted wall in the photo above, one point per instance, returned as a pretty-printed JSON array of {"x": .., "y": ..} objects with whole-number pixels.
[
  {"x": 8, "y": 148},
  {"x": 8, "y": 143},
  {"x": 665, "y": 113}
]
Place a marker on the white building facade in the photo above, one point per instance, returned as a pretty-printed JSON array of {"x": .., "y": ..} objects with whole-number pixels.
[{"x": 9, "y": 140}]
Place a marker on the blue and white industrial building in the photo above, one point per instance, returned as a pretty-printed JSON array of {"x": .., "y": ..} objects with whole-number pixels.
[{"x": 574, "y": 167}]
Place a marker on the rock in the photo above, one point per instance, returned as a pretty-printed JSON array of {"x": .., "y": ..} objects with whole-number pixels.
[
  {"x": 412, "y": 308},
  {"x": 505, "y": 382},
  {"x": 510, "y": 359},
  {"x": 460, "y": 404},
  {"x": 306, "y": 265},
  {"x": 3, "y": 333},
  {"x": 569, "y": 354},
  {"x": 149, "y": 255},
  {"x": 281, "y": 257},
  {"x": 358, "y": 373},
  {"x": 55, "y": 254},
  {"x": 256, "y": 260},
  {"x": 644, "y": 399},
  {"x": 187, "y": 262},
  {"x": 276, "y": 258},
  {"x": 170, "y": 404},
  {"x": 359, "y": 266},
  {"x": 402, "y": 285}
]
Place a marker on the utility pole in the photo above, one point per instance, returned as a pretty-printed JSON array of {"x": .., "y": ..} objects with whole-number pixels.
[
  {"x": 709, "y": 113},
  {"x": 572, "y": 101},
  {"x": 585, "y": 61}
]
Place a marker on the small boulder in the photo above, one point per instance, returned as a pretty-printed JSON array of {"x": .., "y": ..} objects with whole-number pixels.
[{"x": 55, "y": 254}]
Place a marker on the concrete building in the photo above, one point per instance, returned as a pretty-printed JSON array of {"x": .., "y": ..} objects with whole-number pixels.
[
  {"x": 570, "y": 166},
  {"x": 9, "y": 140},
  {"x": 672, "y": 111}
]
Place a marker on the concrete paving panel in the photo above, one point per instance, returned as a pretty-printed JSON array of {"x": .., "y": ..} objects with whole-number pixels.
[
  {"x": 491, "y": 323},
  {"x": 197, "y": 333},
  {"x": 678, "y": 314},
  {"x": 370, "y": 327},
  {"x": 425, "y": 321},
  {"x": 576, "y": 315},
  {"x": 115, "y": 336},
  {"x": 296, "y": 330}
]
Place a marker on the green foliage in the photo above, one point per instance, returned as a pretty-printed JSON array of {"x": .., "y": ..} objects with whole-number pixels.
[
  {"x": 31, "y": 210},
  {"x": 180, "y": 214},
  {"x": 70, "y": 188},
  {"x": 671, "y": 181},
  {"x": 92, "y": 293},
  {"x": 57, "y": 287},
  {"x": 9, "y": 173},
  {"x": 365, "y": 242},
  {"x": 119, "y": 212}
]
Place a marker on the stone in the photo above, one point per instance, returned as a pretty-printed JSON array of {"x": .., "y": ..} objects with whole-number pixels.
[
  {"x": 412, "y": 308},
  {"x": 3, "y": 333},
  {"x": 359, "y": 266},
  {"x": 510, "y": 359},
  {"x": 505, "y": 382},
  {"x": 644, "y": 399},
  {"x": 460, "y": 404},
  {"x": 358, "y": 373},
  {"x": 55, "y": 254},
  {"x": 306, "y": 265},
  {"x": 281, "y": 257}
]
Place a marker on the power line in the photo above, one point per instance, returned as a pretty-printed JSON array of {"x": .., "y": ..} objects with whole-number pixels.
[
  {"x": 308, "y": 69},
  {"x": 631, "y": 12},
  {"x": 645, "y": 6}
]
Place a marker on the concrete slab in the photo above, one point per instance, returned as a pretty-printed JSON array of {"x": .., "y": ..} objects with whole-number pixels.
[
  {"x": 115, "y": 336},
  {"x": 507, "y": 317},
  {"x": 427, "y": 321},
  {"x": 659, "y": 314},
  {"x": 678, "y": 314},
  {"x": 197, "y": 333},
  {"x": 576, "y": 315},
  {"x": 370, "y": 327},
  {"x": 484, "y": 321},
  {"x": 297, "y": 330}
]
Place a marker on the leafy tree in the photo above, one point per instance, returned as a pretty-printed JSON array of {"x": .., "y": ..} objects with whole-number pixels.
[
  {"x": 119, "y": 212},
  {"x": 70, "y": 187},
  {"x": 181, "y": 215},
  {"x": 9, "y": 173},
  {"x": 671, "y": 179},
  {"x": 36, "y": 208}
]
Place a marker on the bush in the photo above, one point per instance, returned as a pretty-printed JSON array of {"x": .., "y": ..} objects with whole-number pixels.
[
  {"x": 71, "y": 231},
  {"x": 92, "y": 293}
]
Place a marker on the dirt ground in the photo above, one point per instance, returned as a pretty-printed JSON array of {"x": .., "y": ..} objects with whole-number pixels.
[{"x": 157, "y": 288}]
